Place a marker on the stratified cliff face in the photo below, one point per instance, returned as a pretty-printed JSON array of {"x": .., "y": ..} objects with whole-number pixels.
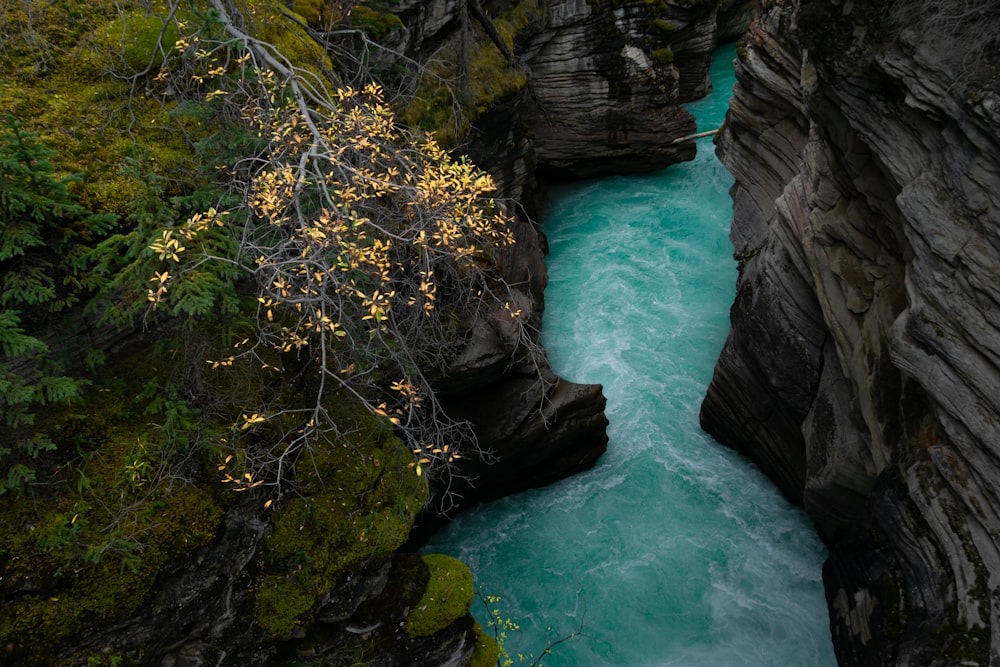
[
  {"x": 607, "y": 81},
  {"x": 863, "y": 366},
  {"x": 604, "y": 80}
]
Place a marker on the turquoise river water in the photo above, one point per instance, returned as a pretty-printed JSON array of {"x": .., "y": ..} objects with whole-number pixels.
[{"x": 673, "y": 550}]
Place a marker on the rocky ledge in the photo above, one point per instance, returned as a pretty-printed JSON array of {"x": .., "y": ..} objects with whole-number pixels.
[{"x": 863, "y": 365}]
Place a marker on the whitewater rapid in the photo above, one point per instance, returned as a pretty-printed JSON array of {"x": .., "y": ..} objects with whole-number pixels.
[{"x": 673, "y": 550}]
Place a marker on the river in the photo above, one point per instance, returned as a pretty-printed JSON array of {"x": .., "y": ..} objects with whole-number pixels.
[{"x": 673, "y": 550}]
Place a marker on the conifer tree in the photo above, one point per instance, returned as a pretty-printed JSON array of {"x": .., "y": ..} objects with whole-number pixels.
[{"x": 40, "y": 250}]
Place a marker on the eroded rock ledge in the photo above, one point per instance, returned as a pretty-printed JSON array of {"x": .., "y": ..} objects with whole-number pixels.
[{"x": 863, "y": 366}]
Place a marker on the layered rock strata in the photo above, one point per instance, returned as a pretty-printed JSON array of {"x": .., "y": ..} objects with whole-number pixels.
[
  {"x": 863, "y": 366},
  {"x": 607, "y": 80}
]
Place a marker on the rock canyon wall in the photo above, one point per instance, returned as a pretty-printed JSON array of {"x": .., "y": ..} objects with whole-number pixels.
[{"x": 862, "y": 372}]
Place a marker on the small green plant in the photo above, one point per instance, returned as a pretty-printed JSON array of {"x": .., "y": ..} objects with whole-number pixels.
[
  {"x": 109, "y": 660},
  {"x": 503, "y": 627},
  {"x": 668, "y": 27},
  {"x": 375, "y": 19},
  {"x": 663, "y": 56}
]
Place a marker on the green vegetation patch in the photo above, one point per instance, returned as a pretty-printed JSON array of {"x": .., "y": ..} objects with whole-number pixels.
[
  {"x": 448, "y": 596},
  {"x": 72, "y": 75},
  {"x": 358, "y": 503},
  {"x": 134, "y": 42},
  {"x": 663, "y": 56},
  {"x": 487, "y": 651},
  {"x": 667, "y": 27},
  {"x": 88, "y": 545},
  {"x": 376, "y": 19},
  {"x": 270, "y": 24}
]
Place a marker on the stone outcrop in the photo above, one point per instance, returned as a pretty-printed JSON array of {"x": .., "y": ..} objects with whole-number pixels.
[
  {"x": 863, "y": 366},
  {"x": 199, "y": 614},
  {"x": 533, "y": 426},
  {"x": 607, "y": 80}
]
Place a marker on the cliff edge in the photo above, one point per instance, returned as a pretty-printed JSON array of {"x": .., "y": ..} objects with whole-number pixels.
[{"x": 862, "y": 368}]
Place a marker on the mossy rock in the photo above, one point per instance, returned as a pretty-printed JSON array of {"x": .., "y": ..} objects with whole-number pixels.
[
  {"x": 291, "y": 40},
  {"x": 440, "y": 109},
  {"x": 487, "y": 651},
  {"x": 80, "y": 105},
  {"x": 101, "y": 471},
  {"x": 449, "y": 594},
  {"x": 668, "y": 27},
  {"x": 32, "y": 625},
  {"x": 134, "y": 41},
  {"x": 358, "y": 503},
  {"x": 310, "y": 10},
  {"x": 376, "y": 20},
  {"x": 663, "y": 56},
  {"x": 73, "y": 94}
]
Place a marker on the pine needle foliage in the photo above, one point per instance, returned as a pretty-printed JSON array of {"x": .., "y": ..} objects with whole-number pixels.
[{"x": 42, "y": 242}]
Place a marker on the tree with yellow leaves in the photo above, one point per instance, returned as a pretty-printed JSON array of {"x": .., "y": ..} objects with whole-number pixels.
[{"x": 368, "y": 252}]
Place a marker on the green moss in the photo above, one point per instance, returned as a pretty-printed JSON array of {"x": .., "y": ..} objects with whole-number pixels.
[
  {"x": 663, "y": 56},
  {"x": 282, "y": 601},
  {"x": 118, "y": 584},
  {"x": 358, "y": 503},
  {"x": 269, "y": 24},
  {"x": 310, "y": 10},
  {"x": 103, "y": 526},
  {"x": 441, "y": 108},
  {"x": 91, "y": 659},
  {"x": 93, "y": 119},
  {"x": 132, "y": 42},
  {"x": 375, "y": 19},
  {"x": 666, "y": 26},
  {"x": 487, "y": 651},
  {"x": 448, "y": 596},
  {"x": 63, "y": 79}
]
